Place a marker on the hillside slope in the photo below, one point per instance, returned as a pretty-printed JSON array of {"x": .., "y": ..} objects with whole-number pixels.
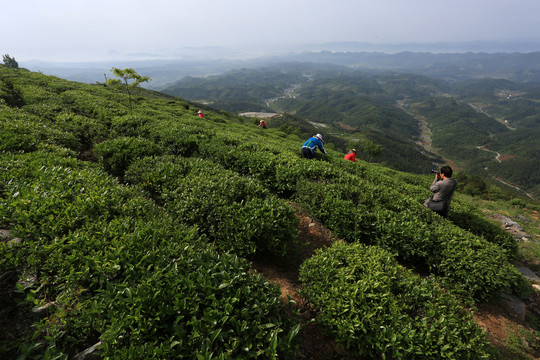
[
  {"x": 137, "y": 227},
  {"x": 355, "y": 105}
]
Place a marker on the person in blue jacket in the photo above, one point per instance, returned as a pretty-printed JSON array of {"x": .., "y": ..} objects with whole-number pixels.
[{"x": 311, "y": 145}]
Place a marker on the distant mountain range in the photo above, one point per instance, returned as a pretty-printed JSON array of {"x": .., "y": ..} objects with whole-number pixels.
[{"x": 516, "y": 61}]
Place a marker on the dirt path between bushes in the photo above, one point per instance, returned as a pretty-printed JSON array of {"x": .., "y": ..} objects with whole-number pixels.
[
  {"x": 499, "y": 321},
  {"x": 312, "y": 236}
]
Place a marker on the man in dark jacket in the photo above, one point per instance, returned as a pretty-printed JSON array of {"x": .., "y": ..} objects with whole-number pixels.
[{"x": 442, "y": 187}]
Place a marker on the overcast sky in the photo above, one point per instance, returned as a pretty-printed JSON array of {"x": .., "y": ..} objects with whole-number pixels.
[{"x": 77, "y": 30}]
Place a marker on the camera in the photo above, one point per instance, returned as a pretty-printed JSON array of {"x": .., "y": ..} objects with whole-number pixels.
[{"x": 435, "y": 171}]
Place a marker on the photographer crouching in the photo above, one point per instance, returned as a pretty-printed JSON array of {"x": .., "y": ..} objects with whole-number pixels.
[{"x": 442, "y": 187}]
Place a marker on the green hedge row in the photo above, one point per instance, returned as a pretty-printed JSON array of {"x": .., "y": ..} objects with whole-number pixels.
[
  {"x": 378, "y": 309},
  {"x": 122, "y": 271},
  {"x": 419, "y": 238},
  {"x": 235, "y": 212},
  {"x": 23, "y": 132},
  {"x": 277, "y": 168},
  {"x": 349, "y": 198}
]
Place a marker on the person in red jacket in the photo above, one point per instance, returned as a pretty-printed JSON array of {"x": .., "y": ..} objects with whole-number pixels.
[
  {"x": 351, "y": 155},
  {"x": 200, "y": 114},
  {"x": 262, "y": 124}
]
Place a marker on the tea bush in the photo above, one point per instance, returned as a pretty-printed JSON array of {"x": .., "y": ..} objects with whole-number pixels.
[
  {"x": 130, "y": 126},
  {"x": 471, "y": 219},
  {"x": 85, "y": 103},
  {"x": 88, "y": 131},
  {"x": 209, "y": 306},
  {"x": 278, "y": 170},
  {"x": 9, "y": 94},
  {"x": 378, "y": 309},
  {"x": 23, "y": 132},
  {"x": 116, "y": 155},
  {"x": 483, "y": 268},
  {"x": 121, "y": 270},
  {"x": 235, "y": 212}
]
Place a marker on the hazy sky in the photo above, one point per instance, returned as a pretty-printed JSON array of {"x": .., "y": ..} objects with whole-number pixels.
[{"x": 94, "y": 29}]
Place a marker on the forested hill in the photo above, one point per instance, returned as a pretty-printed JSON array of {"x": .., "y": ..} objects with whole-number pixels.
[
  {"x": 131, "y": 224},
  {"x": 452, "y": 66},
  {"x": 460, "y": 120}
]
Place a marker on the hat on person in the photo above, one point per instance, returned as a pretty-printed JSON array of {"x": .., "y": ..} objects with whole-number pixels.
[
  {"x": 319, "y": 136},
  {"x": 353, "y": 150},
  {"x": 200, "y": 111}
]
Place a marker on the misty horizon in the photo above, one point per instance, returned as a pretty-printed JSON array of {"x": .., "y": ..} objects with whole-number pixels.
[
  {"x": 236, "y": 53},
  {"x": 61, "y": 30}
]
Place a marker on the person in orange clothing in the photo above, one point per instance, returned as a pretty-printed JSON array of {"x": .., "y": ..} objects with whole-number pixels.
[
  {"x": 262, "y": 124},
  {"x": 200, "y": 114},
  {"x": 351, "y": 155}
]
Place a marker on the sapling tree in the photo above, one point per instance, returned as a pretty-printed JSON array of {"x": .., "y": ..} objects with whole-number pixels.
[{"x": 129, "y": 80}]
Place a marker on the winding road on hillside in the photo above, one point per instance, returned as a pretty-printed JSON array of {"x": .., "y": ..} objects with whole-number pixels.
[
  {"x": 425, "y": 131},
  {"x": 426, "y": 143},
  {"x": 498, "y": 158},
  {"x": 498, "y": 155}
]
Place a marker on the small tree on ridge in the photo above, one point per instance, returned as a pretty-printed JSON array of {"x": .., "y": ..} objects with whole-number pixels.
[
  {"x": 10, "y": 62},
  {"x": 129, "y": 80}
]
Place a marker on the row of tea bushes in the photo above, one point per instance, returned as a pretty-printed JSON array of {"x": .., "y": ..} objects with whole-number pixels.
[
  {"x": 23, "y": 132},
  {"x": 350, "y": 200},
  {"x": 472, "y": 220},
  {"x": 88, "y": 113},
  {"x": 378, "y": 309},
  {"x": 277, "y": 167},
  {"x": 123, "y": 271},
  {"x": 235, "y": 212},
  {"x": 420, "y": 238}
]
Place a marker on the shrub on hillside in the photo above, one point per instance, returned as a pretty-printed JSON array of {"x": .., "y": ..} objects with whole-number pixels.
[
  {"x": 378, "y": 309},
  {"x": 208, "y": 306},
  {"x": 236, "y": 212},
  {"x": 23, "y": 132},
  {"x": 130, "y": 126},
  {"x": 278, "y": 170},
  {"x": 519, "y": 203},
  {"x": 120, "y": 270},
  {"x": 368, "y": 214},
  {"x": 102, "y": 107},
  {"x": 471, "y": 219},
  {"x": 181, "y": 138},
  {"x": 17, "y": 139},
  {"x": 10, "y": 94},
  {"x": 88, "y": 131},
  {"x": 116, "y": 155}
]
